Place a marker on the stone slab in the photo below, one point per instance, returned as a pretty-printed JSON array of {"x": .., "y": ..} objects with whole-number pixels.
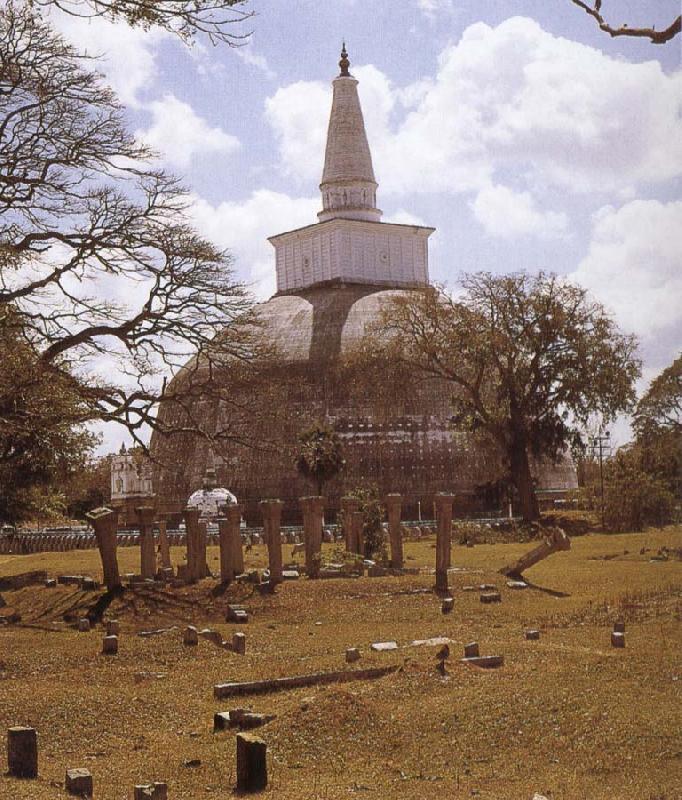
[
  {"x": 487, "y": 662},
  {"x": 78, "y": 782},
  {"x": 381, "y": 647}
]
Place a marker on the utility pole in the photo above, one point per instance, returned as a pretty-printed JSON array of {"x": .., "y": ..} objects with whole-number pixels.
[{"x": 601, "y": 448}]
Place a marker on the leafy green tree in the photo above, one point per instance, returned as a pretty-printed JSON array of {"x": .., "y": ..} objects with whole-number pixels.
[
  {"x": 43, "y": 438},
  {"x": 320, "y": 455},
  {"x": 529, "y": 359}
]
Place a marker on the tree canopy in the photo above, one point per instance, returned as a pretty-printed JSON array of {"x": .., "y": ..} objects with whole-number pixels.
[
  {"x": 215, "y": 19},
  {"x": 98, "y": 260},
  {"x": 320, "y": 455},
  {"x": 530, "y": 359}
]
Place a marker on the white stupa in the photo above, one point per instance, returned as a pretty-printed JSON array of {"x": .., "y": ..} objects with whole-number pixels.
[{"x": 210, "y": 497}]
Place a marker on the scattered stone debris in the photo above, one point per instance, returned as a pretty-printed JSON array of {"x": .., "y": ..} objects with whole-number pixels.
[
  {"x": 223, "y": 690},
  {"x": 157, "y": 632},
  {"x": 149, "y": 676},
  {"x": 241, "y": 718},
  {"x": 290, "y": 574},
  {"x": 517, "y": 584},
  {"x": 51, "y": 583},
  {"x": 12, "y": 582},
  {"x": 486, "y": 662},
  {"x": 491, "y": 597},
  {"x": 78, "y": 782},
  {"x": 381, "y": 647},
  {"x": 436, "y": 641},
  {"x": 236, "y": 613}
]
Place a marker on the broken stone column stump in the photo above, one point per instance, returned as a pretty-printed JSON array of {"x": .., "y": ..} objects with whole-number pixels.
[
  {"x": 83, "y": 625},
  {"x": 110, "y": 645},
  {"x": 105, "y": 523},
  {"x": 352, "y": 654},
  {"x": 471, "y": 650},
  {"x": 617, "y": 639},
  {"x": 78, "y": 782},
  {"x": 252, "y": 770},
  {"x": 313, "y": 512},
  {"x": 151, "y": 791},
  {"x": 239, "y": 643},
  {"x": 447, "y": 605},
  {"x": 113, "y": 627},
  {"x": 619, "y": 626},
  {"x": 22, "y": 752},
  {"x": 349, "y": 506},
  {"x": 191, "y": 637},
  {"x": 233, "y": 514},
  {"x": 532, "y": 636}
]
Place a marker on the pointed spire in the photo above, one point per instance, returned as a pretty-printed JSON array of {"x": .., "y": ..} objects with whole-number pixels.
[
  {"x": 344, "y": 63},
  {"x": 348, "y": 184}
]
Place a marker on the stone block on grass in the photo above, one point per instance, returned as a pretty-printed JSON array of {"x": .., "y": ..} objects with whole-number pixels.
[
  {"x": 78, "y": 782},
  {"x": 352, "y": 655},
  {"x": 110, "y": 645},
  {"x": 617, "y": 639},
  {"x": 22, "y": 752},
  {"x": 532, "y": 635},
  {"x": 252, "y": 769},
  {"x": 447, "y": 605},
  {"x": 471, "y": 650},
  {"x": 491, "y": 597}
]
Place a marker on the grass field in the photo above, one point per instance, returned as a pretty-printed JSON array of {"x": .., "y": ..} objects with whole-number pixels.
[{"x": 567, "y": 716}]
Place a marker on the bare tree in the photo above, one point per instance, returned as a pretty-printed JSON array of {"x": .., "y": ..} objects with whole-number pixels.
[
  {"x": 215, "y": 19},
  {"x": 656, "y": 37},
  {"x": 98, "y": 261}
]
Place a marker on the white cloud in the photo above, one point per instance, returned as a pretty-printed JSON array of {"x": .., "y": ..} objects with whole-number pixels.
[
  {"x": 253, "y": 59},
  {"x": 557, "y": 112},
  {"x": 179, "y": 134},
  {"x": 243, "y": 228},
  {"x": 127, "y": 55},
  {"x": 433, "y": 7},
  {"x": 634, "y": 267},
  {"x": 506, "y": 213}
]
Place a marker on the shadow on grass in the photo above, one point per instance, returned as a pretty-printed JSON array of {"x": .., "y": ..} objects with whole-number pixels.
[
  {"x": 96, "y": 611},
  {"x": 545, "y": 590}
]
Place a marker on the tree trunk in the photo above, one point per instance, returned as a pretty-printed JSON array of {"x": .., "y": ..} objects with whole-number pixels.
[{"x": 523, "y": 480}]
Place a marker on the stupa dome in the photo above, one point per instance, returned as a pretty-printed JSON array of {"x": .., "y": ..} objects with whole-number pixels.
[{"x": 210, "y": 498}]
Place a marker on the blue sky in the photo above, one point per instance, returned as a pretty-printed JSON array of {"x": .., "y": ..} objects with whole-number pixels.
[{"x": 527, "y": 137}]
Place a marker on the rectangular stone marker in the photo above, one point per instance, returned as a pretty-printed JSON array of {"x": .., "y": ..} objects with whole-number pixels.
[
  {"x": 290, "y": 574},
  {"x": 22, "y": 752},
  {"x": 443, "y": 504},
  {"x": 113, "y": 628},
  {"x": 252, "y": 769},
  {"x": 239, "y": 643},
  {"x": 221, "y": 721},
  {"x": 619, "y": 626},
  {"x": 393, "y": 503},
  {"x": 517, "y": 585},
  {"x": 151, "y": 791},
  {"x": 486, "y": 662},
  {"x": 491, "y": 597},
  {"x": 532, "y": 636},
  {"x": 236, "y": 613},
  {"x": 447, "y": 605},
  {"x": 352, "y": 654},
  {"x": 617, "y": 639},
  {"x": 78, "y": 782},
  {"x": 471, "y": 650},
  {"x": 381, "y": 647},
  {"x": 110, "y": 645},
  {"x": 191, "y": 637},
  {"x": 84, "y": 625}
]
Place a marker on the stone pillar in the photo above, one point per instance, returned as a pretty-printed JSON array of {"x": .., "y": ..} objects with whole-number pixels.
[
  {"x": 164, "y": 547},
  {"x": 443, "y": 503},
  {"x": 22, "y": 752},
  {"x": 357, "y": 524},
  {"x": 349, "y": 506},
  {"x": 554, "y": 541},
  {"x": 234, "y": 521},
  {"x": 105, "y": 523},
  {"x": 226, "y": 551},
  {"x": 252, "y": 770},
  {"x": 313, "y": 513},
  {"x": 193, "y": 535},
  {"x": 145, "y": 516},
  {"x": 202, "y": 542},
  {"x": 393, "y": 508},
  {"x": 272, "y": 515}
]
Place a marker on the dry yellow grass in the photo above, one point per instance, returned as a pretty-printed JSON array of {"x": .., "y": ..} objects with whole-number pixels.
[{"x": 567, "y": 716}]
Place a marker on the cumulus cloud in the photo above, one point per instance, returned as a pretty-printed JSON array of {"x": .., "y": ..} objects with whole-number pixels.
[
  {"x": 634, "y": 267},
  {"x": 126, "y": 55},
  {"x": 178, "y": 134},
  {"x": 243, "y": 228},
  {"x": 506, "y": 213},
  {"x": 514, "y": 96}
]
